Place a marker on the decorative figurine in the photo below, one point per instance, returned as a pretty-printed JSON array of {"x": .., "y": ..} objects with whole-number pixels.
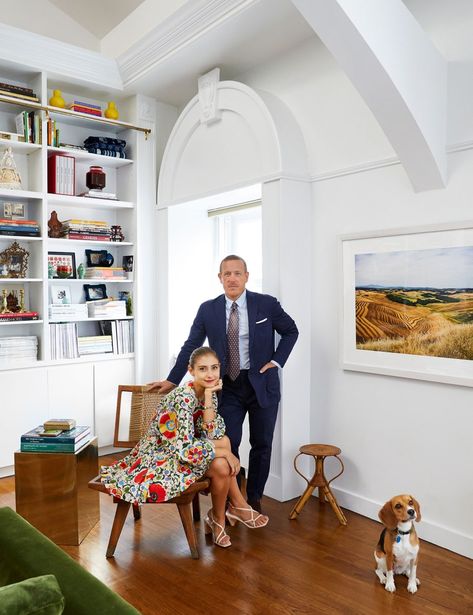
[
  {"x": 4, "y": 308},
  {"x": 55, "y": 227},
  {"x": 57, "y": 100},
  {"x": 81, "y": 271},
  {"x": 116, "y": 233},
  {"x": 22, "y": 301},
  {"x": 9, "y": 176},
  {"x": 111, "y": 112},
  {"x": 95, "y": 178},
  {"x": 50, "y": 271}
]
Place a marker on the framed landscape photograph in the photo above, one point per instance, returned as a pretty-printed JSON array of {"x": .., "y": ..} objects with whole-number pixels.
[
  {"x": 94, "y": 292},
  {"x": 407, "y": 298}
]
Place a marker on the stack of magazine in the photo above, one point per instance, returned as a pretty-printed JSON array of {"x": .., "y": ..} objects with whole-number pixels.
[{"x": 48, "y": 439}]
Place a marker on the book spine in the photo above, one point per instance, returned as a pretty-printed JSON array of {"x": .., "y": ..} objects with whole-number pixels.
[
  {"x": 54, "y": 440},
  {"x": 20, "y": 233},
  {"x": 32, "y": 447},
  {"x": 86, "y": 110},
  {"x": 17, "y": 318},
  {"x": 87, "y": 237}
]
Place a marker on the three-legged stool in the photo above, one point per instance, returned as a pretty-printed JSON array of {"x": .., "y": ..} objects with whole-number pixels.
[{"x": 319, "y": 452}]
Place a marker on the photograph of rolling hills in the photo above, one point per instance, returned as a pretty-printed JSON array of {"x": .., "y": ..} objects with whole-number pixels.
[{"x": 416, "y": 302}]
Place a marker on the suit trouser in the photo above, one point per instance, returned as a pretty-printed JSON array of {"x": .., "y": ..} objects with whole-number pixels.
[{"x": 239, "y": 398}]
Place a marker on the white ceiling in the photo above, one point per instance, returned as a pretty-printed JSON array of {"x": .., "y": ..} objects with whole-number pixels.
[{"x": 99, "y": 17}]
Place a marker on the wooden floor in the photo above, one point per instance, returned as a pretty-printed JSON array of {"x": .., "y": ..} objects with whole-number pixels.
[{"x": 308, "y": 566}]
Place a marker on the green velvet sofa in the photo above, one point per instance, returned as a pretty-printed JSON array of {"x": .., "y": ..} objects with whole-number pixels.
[{"x": 25, "y": 554}]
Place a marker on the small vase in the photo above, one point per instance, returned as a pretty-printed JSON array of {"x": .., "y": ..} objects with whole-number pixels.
[
  {"x": 95, "y": 178},
  {"x": 57, "y": 100},
  {"x": 111, "y": 112},
  {"x": 81, "y": 271}
]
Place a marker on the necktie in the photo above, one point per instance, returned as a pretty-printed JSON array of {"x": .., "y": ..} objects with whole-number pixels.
[{"x": 233, "y": 364}]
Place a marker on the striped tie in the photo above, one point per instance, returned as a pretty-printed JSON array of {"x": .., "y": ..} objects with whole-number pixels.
[{"x": 233, "y": 364}]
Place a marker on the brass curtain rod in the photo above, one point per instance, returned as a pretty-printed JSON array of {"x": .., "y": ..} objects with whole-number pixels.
[{"x": 48, "y": 109}]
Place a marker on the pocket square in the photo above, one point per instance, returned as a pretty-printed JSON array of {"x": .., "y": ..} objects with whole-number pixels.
[{"x": 258, "y": 322}]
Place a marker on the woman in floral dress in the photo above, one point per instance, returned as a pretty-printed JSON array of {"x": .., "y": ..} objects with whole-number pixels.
[{"x": 185, "y": 441}]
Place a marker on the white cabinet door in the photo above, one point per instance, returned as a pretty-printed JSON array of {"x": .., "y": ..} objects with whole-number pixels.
[
  {"x": 71, "y": 393},
  {"x": 23, "y": 406},
  {"x": 108, "y": 375}
]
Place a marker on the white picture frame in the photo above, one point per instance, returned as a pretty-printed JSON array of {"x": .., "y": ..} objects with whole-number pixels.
[
  {"x": 408, "y": 264},
  {"x": 60, "y": 294}
]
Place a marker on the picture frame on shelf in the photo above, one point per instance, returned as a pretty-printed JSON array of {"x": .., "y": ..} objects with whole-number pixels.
[
  {"x": 127, "y": 263},
  {"x": 13, "y": 210},
  {"x": 60, "y": 294},
  {"x": 14, "y": 262},
  {"x": 98, "y": 258},
  {"x": 66, "y": 261},
  {"x": 95, "y": 292},
  {"x": 407, "y": 298}
]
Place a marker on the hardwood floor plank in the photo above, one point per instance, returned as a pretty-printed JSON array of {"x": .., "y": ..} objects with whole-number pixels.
[{"x": 304, "y": 567}]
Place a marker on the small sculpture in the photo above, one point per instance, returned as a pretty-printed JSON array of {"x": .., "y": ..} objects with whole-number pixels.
[
  {"x": 22, "y": 301},
  {"x": 116, "y": 233},
  {"x": 50, "y": 271},
  {"x": 111, "y": 112},
  {"x": 4, "y": 307},
  {"x": 9, "y": 176},
  {"x": 81, "y": 271},
  {"x": 57, "y": 100},
  {"x": 55, "y": 227}
]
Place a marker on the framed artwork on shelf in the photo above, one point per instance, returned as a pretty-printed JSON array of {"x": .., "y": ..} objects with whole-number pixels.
[
  {"x": 14, "y": 211},
  {"x": 407, "y": 299},
  {"x": 127, "y": 263},
  {"x": 98, "y": 258},
  {"x": 60, "y": 294},
  {"x": 62, "y": 265},
  {"x": 94, "y": 292},
  {"x": 14, "y": 262}
]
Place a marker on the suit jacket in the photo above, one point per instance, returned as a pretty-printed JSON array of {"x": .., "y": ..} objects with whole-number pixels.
[{"x": 265, "y": 317}]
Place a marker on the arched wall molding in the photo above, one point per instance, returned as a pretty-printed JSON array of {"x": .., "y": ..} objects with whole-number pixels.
[
  {"x": 278, "y": 161},
  {"x": 279, "y": 144}
]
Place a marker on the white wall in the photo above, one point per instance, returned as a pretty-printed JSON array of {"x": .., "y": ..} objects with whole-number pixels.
[{"x": 396, "y": 434}]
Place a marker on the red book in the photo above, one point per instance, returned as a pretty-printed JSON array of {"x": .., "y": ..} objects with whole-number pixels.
[
  {"x": 61, "y": 174},
  {"x": 87, "y": 237},
  {"x": 86, "y": 110},
  {"x": 20, "y": 316}
]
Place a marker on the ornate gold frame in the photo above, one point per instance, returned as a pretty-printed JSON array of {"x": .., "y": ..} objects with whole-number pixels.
[{"x": 15, "y": 259}]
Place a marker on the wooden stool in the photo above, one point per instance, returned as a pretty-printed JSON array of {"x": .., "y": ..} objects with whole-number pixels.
[{"x": 319, "y": 452}]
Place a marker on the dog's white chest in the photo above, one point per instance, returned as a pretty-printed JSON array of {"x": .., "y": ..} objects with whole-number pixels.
[{"x": 404, "y": 552}]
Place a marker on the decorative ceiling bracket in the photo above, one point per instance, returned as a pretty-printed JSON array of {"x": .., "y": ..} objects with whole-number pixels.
[{"x": 208, "y": 97}]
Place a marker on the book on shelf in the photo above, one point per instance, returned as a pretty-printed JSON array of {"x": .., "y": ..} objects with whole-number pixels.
[
  {"x": 28, "y": 124},
  {"x": 61, "y": 174},
  {"x": 59, "y": 424},
  {"x": 86, "y": 236},
  {"x": 68, "y": 311},
  {"x": 63, "y": 340},
  {"x": 106, "y": 308},
  {"x": 122, "y": 334},
  {"x": 16, "y": 222},
  {"x": 19, "y": 316},
  {"x": 89, "y": 105},
  {"x": 95, "y": 344},
  {"x": 19, "y": 96},
  {"x": 99, "y": 194},
  {"x": 18, "y": 350},
  {"x": 86, "y": 110},
  {"x": 12, "y": 87},
  {"x": 19, "y": 233},
  {"x": 56, "y": 436}
]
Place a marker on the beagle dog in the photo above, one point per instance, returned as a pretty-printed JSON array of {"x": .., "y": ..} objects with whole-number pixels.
[{"x": 397, "y": 551}]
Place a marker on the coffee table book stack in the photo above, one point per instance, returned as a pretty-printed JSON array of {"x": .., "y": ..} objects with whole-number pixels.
[{"x": 55, "y": 439}]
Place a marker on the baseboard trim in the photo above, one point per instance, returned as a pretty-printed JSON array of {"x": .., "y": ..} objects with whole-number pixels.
[
  {"x": 7, "y": 471},
  {"x": 437, "y": 534}
]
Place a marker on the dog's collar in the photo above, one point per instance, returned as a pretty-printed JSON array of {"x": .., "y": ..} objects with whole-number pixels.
[{"x": 404, "y": 533}]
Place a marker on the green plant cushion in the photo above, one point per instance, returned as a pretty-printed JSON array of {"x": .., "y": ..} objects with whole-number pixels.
[{"x": 37, "y": 596}]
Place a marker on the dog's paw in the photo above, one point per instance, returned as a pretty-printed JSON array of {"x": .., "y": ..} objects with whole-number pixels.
[
  {"x": 381, "y": 576},
  {"x": 412, "y": 587},
  {"x": 389, "y": 586}
]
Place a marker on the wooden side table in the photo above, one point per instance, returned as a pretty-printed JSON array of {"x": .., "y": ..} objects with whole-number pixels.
[
  {"x": 319, "y": 452},
  {"x": 51, "y": 492}
]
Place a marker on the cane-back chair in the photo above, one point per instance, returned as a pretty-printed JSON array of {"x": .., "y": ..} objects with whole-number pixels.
[{"x": 135, "y": 409}]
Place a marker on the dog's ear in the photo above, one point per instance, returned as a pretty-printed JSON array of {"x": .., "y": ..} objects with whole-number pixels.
[
  {"x": 417, "y": 509},
  {"x": 387, "y": 516}
]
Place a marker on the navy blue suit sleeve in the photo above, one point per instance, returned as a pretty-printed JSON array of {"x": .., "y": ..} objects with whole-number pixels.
[
  {"x": 287, "y": 329},
  {"x": 196, "y": 338}
]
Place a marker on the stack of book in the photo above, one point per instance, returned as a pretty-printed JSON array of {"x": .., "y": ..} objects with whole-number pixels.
[
  {"x": 99, "y": 194},
  {"x": 18, "y": 91},
  {"x": 52, "y": 133},
  {"x": 18, "y": 350},
  {"x": 85, "y": 107},
  {"x": 19, "y": 228},
  {"x": 106, "y": 146},
  {"x": 106, "y": 308},
  {"x": 95, "y": 344},
  {"x": 28, "y": 124},
  {"x": 41, "y": 440},
  {"x": 90, "y": 230},
  {"x": 105, "y": 273},
  {"x": 122, "y": 334},
  {"x": 63, "y": 340},
  {"x": 18, "y": 316},
  {"x": 61, "y": 312}
]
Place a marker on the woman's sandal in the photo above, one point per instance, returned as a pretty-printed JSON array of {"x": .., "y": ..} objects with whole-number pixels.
[
  {"x": 251, "y": 523},
  {"x": 211, "y": 527}
]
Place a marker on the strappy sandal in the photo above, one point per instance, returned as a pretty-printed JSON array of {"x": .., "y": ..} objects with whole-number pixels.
[
  {"x": 251, "y": 523},
  {"x": 211, "y": 527}
]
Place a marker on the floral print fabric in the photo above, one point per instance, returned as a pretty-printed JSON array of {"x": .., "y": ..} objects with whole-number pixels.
[{"x": 175, "y": 452}]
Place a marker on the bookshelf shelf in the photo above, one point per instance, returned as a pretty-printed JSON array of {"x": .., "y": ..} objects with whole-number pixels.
[
  {"x": 90, "y": 319},
  {"x": 83, "y": 242},
  {"x": 106, "y": 161},
  {"x": 83, "y": 201},
  {"x": 20, "y": 238},
  {"x": 20, "y": 147},
  {"x": 21, "y": 323},
  {"x": 93, "y": 280},
  {"x": 19, "y": 194},
  {"x": 19, "y": 280}
]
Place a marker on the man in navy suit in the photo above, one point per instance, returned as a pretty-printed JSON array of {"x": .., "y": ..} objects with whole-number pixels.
[{"x": 254, "y": 387}]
